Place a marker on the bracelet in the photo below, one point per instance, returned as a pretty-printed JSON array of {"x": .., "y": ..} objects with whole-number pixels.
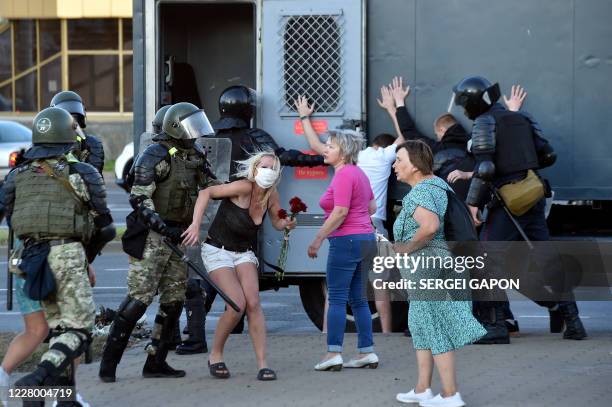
[{"x": 304, "y": 117}]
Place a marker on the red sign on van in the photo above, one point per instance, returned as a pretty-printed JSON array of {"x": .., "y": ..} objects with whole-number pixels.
[
  {"x": 320, "y": 126},
  {"x": 320, "y": 172}
]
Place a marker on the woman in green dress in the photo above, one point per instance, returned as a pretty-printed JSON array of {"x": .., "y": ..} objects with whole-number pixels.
[{"x": 438, "y": 326}]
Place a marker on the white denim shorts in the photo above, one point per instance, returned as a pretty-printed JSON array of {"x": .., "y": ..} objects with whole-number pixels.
[{"x": 215, "y": 258}]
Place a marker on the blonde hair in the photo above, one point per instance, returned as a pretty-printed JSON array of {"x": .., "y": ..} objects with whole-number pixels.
[
  {"x": 246, "y": 169},
  {"x": 350, "y": 142}
]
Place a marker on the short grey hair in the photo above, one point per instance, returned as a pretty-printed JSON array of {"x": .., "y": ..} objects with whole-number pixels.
[{"x": 350, "y": 142}]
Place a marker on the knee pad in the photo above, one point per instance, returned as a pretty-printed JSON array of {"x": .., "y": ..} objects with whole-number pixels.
[
  {"x": 131, "y": 310},
  {"x": 70, "y": 344}
]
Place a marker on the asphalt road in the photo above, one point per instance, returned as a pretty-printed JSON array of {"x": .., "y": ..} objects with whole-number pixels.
[{"x": 283, "y": 308}]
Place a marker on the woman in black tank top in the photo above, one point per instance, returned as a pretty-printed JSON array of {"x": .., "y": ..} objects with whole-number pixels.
[{"x": 228, "y": 251}]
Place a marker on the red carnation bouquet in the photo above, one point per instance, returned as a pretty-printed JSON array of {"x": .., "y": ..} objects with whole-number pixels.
[{"x": 297, "y": 206}]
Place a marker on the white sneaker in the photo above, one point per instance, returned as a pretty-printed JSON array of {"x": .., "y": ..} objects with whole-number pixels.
[
  {"x": 412, "y": 397},
  {"x": 4, "y": 384},
  {"x": 334, "y": 364},
  {"x": 439, "y": 401},
  {"x": 78, "y": 399},
  {"x": 370, "y": 360}
]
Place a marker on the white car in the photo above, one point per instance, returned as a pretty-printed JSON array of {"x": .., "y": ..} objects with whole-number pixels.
[
  {"x": 14, "y": 138},
  {"x": 123, "y": 163}
]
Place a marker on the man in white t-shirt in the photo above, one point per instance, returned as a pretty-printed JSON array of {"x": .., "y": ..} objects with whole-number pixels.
[{"x": 376, "y": 162}]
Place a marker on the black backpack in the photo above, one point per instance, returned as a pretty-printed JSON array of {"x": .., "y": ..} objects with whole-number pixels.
[{"x": 459, "y": 228}]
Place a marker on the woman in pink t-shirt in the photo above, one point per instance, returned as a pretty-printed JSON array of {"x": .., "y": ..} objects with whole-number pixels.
[{"x": 348, "y": 203}]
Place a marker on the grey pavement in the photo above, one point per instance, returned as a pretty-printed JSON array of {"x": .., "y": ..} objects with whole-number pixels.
[{"x": 537, "y": 369}]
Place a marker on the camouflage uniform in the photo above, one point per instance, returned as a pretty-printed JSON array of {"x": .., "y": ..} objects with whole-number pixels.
[
  {"x": 58, "y": 201},
  {"x": 70, "y": 311},
  {"x": 160, "y": 269},
  {"x": 168, "y": 175},
  {"x": 73, "y": 306}
]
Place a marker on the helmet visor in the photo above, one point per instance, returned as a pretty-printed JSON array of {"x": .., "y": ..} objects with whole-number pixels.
[
  {"x": 451, "y": 103},
  {"x": 73, "y": 106},
  {"x": 196, "y": 124}
]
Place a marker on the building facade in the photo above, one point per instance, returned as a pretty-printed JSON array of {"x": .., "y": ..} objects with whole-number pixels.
[{"x": 81, "y": 45}]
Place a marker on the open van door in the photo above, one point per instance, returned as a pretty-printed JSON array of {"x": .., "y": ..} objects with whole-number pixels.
[{"x": 314, "y": 49}]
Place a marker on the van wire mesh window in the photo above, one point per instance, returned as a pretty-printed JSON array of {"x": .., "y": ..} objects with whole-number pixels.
[{"x": 312, "y": 61}]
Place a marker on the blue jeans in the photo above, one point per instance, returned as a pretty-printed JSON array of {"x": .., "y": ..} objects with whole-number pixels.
[{"x": 345, "y": 283}]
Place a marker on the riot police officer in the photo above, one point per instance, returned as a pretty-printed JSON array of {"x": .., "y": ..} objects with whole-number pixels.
[
  {"x": 168, "y": 175},
  {"x": 90, "y": 149},
  {"x": 57, "y": 206},
  {"x": 158, "y": 120},
  {"x": 506, "y": 146},
  {"x": 237, "y": 106}
]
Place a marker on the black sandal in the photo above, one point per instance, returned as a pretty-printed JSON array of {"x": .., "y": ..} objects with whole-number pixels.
[
  {"x": 266, "y": 374},
  {"x": 219, "y": 370}
]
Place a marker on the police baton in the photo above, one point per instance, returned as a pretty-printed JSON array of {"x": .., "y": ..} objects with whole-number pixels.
[
  {"x": 199, "y": 272},
  {"x": 512, "y": 219},
  {"x": 9, "y": 275}
]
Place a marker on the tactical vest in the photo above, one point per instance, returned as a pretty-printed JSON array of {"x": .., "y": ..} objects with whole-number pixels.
[
  {"x": 46, "y": 209},
  {"x": 175, "y": 197},
  {"x": 514, "y": 146}
]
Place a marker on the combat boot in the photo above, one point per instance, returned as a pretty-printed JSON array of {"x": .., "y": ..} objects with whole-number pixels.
[
  {"x": 165, "y": 321},
  {"x": 491, "y": 316},
  {"x": 157, "y": 367},
  {"x": 573, "y": 325},
  {"x": 130, "y": 311},
  {"x": 37, "y": 378},
  {"x": 196, "y": 319},
  {"x": 556, "y": 320},
  {"x": 511, "y": 324}
]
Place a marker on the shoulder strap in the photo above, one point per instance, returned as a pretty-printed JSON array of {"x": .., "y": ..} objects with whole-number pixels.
[{"x": 63, "y": 181}]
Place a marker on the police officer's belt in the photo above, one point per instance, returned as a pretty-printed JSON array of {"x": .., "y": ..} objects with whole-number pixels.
[
  {"x": 55, "y": 242},
  {"x": 58, "y": 242},
  {"x": 231, "y": 248}
]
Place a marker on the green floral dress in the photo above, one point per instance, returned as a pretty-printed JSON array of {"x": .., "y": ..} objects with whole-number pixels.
[{"x": 440, "y": 326}]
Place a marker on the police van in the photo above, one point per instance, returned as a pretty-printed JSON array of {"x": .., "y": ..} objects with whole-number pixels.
[{"x": 340, "y": 52}]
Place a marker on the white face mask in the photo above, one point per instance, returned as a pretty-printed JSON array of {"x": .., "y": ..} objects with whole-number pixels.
[{"x": 266, "y": 177}]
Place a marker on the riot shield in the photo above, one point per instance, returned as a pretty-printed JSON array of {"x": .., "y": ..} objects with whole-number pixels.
[
  {"x": 144, "y": 140},
  {"x": 219, "y": 155}
]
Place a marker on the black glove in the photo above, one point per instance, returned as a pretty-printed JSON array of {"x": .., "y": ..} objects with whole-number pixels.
[
  {"x": 100, "y": 238},
  {"x": 295, "y": 158},
  {"x": 153, "y": 220},
  {"x": 174, "y": 234}
]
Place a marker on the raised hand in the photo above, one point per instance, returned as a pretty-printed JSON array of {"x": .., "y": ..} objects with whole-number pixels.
[
  {"x": 517, "y": 97},
  {"x": 386, "y": 101},
  {"x": 398, "y": 91},
  {"x": 304, "y": 110}
]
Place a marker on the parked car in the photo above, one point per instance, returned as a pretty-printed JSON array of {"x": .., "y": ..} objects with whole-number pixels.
[
  {"x": 14, "y": 138},
  {"x": 123, "y": 163}
]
